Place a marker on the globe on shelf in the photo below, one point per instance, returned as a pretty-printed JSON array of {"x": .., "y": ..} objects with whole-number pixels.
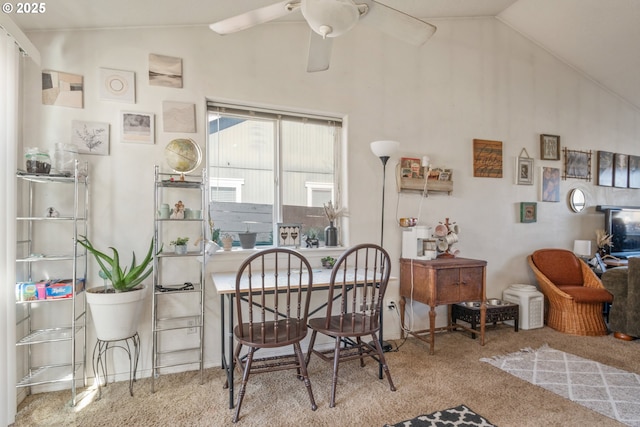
[{"x": 183, "y": 155}]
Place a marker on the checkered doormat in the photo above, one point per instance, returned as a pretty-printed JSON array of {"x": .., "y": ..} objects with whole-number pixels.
[{"x": 609, "y": 391}]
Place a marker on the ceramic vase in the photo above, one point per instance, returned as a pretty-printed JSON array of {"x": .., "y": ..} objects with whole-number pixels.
[{"x": 331, "y": 235}]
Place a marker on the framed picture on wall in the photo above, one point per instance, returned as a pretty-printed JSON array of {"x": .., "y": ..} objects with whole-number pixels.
[
  {"x": 137, "y": 127},
  {"x": 549, "y": 147},
  {"x": 577, "y": 164},
  {"x": 487, "y": 158},
  {"x": 550, "y": 184},
  {"x": 634, "y": 171},
  {"x": 524, "y": 171},
  {"x": 605, "y": 168},
  {"x": 528, "y": 211},
  {"x": 620, "y": 170}
]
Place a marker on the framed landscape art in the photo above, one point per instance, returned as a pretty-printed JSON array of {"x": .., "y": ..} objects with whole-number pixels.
[
  {"x": 137, "y": 127},
  {"x": 634, "y": 171},
  {"x": 620, "y": 170},
  {"x": 577, "y": 164},
  {"x": 605, "y": 168}
]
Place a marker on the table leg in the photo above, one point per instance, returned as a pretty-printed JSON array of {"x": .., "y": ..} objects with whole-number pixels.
[
  {"x": 403, "y": 303},
  {"x": 231, "y": 362}
]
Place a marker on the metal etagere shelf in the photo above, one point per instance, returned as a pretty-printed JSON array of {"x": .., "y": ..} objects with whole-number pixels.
[
  {"x": 178, "y": 298},
  {"x": 46, "y": 325}
]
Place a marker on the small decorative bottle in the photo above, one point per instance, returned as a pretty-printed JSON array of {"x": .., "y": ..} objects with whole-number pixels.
[{"x": 331, "y": 235}]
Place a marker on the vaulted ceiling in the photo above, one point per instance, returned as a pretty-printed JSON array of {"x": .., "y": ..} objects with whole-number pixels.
[{"x": 599, "y": 38}]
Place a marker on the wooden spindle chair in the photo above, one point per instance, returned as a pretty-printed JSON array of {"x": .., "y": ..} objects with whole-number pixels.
[
  {"x": 273, "y": 290},
  {"x": 356, "y": 292}
]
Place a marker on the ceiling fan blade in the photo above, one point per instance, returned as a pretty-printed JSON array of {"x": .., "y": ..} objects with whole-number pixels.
[
  {"x": 319, "y": 52},
  {"x": 397, "y": 24},
  {"x": 254, "y": 17}
]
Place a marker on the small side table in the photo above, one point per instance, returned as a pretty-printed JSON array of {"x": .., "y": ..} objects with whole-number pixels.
[
  {"x": 470, "y": 313},
  {"x": 131, "y": 345}
]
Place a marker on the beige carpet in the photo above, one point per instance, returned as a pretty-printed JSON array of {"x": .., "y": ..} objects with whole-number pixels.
[{"x": 453, "y": 376}]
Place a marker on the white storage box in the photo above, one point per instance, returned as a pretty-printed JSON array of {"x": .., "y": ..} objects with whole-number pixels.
[{"x": 531, "y": 302}]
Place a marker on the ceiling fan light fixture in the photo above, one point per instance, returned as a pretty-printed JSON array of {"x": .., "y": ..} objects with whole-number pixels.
[{"x": 336, "y": 16}]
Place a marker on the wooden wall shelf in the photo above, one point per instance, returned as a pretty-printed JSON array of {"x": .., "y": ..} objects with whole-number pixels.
[{"x": 417, "y": 184}]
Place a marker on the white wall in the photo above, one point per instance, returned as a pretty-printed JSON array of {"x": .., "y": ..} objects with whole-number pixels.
[{"x": 476, "y": 78}]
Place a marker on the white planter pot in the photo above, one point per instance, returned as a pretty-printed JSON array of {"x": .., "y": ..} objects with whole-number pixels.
[{"x": 115, "y": 315}]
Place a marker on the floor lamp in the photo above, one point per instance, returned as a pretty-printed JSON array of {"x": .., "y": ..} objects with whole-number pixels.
[{"x": 384, "y": 149}]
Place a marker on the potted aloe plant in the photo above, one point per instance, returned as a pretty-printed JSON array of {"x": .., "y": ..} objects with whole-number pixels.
[{"x": 116, "y": 309}]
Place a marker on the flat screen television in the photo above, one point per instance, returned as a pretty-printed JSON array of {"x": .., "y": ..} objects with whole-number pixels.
[{"x": 623, "y": 224}]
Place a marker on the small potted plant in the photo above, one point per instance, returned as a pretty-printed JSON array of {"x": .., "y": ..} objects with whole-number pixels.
[
  {"x": 248, "y": 238},
  {"x": 180, "y": 245},
  {"x": 227, "y": 241},
  {"x": 328, "y": 261}
]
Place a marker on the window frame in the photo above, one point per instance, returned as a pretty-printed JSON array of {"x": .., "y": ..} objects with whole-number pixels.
[{"x": 280, "y": 115}]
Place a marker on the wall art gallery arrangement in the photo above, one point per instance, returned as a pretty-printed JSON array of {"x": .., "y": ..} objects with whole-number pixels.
[
  {"x": 92, "y": 137},
  {"x": 613, "y": 169}
]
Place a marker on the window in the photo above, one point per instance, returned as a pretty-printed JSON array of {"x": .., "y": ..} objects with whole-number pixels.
[{"x": 268, "y": 167}]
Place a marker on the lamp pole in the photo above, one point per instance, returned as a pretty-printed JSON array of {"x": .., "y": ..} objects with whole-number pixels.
[{"x": 384, "y": 160}]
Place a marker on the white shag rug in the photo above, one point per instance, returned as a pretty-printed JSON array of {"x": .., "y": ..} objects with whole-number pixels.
[{"x": 610, "y": 391}]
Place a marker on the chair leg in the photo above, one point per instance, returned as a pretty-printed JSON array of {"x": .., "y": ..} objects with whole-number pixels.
[
  {"x": 245, "y": 378},
  {"x": 302, "y": 368},
  {"x": 334, "y": 381},
  {"x": 310, "y": 349},
  {"x": 383, "y": 362},
  {"x": 359, "y": 342},
  {"x": 235, "y": 362}
]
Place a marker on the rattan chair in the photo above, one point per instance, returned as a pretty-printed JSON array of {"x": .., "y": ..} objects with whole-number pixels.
[
  {"x": 273, "y": 290},
  {"x": 574, "y": 293},
  {"x": 358, "y": 282}
]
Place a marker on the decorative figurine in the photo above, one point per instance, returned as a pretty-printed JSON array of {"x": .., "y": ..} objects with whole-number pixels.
[{"x": 52, "y": 212}]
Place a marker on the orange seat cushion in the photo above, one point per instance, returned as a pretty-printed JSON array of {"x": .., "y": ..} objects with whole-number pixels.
[
  {"x": 587, "y": 295},
  {"x": 560, "y": 266}
]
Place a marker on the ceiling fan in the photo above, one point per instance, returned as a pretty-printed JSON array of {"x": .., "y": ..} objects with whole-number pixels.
[{"x": 331, "y": 18}]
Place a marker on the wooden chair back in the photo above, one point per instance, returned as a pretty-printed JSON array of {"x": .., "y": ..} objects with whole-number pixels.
[
  {"x": 273, "y": 290},
  {"x": 358, "y": 283}
]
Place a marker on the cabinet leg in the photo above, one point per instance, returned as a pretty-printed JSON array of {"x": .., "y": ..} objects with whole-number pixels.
[
  {"x": 402, "y": 303},
  {"x": 432, "y": 329}
]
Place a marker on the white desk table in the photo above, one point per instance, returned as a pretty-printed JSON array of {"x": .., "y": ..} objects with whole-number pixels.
[{"x": 225, "y": 283}]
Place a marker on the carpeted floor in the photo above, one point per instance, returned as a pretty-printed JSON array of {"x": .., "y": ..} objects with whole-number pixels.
[
  {"x": 609, "y": 391},
  {"x": 454, "y": 375}
]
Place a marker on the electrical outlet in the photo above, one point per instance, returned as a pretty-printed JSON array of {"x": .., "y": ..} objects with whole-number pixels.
[
  {"x": 391, "y": 305},
  {"x": 192, "y": 326}
]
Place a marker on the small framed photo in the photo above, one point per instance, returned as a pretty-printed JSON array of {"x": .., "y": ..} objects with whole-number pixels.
[
  {"x": 549, "y": 147},
  {"x": 605, "y": 168},
  {"x": 289, "y": 235},
  {"x": 137, "y": 127},
  {"x": 524, "y": 171},
  {"x": 528, "y": 212},
  {"x": 577, "y": 164},
  {"x": 621, "y": 170},
  {"x": 444, "y": 176}
]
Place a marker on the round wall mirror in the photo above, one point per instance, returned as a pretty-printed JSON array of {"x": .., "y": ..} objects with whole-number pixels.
[{"x": 577, "y": 200}]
